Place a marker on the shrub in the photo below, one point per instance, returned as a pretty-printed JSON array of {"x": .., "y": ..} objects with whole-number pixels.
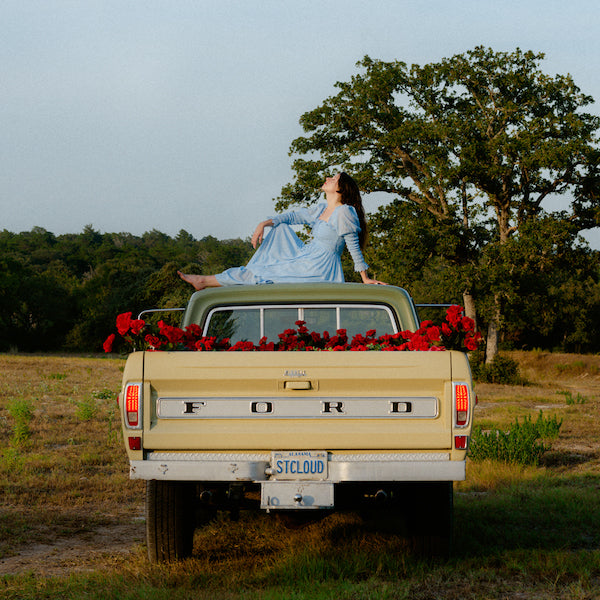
[
  {"x": 502, "y": 369},
  {"x": 522, "y": 444}
]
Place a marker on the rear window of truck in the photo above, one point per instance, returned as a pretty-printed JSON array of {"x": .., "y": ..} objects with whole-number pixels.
[{"x": 251, "y": 323}]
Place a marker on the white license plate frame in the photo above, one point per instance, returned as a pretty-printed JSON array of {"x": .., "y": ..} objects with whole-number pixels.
[{"x": 299, "y": 465}]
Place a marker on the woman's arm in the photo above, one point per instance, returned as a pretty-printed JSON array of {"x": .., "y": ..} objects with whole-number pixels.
[
  {"x": 360, "y": 266},
  {"x": 259, "y": 232},
  {"x": 300, "y": 216}
]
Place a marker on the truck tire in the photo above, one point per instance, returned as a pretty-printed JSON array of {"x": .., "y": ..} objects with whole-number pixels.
[
  {"x": 170, "y": 520},
  {"x": 432, "y": 518}
]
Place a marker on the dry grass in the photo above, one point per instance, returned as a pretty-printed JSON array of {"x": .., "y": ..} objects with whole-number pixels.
[
  {"x": 70, "y": 476},
  {"x": 67, "y": 505}
]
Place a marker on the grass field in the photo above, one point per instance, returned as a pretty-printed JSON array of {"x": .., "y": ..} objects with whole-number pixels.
[{"x": 71, "y": 522}]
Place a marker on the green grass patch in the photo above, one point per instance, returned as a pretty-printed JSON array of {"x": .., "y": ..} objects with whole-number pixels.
[
  {"x": 21, "y": 410},
  {"x": 571, "y": 398},
  {"x": 524, "y": 443}
]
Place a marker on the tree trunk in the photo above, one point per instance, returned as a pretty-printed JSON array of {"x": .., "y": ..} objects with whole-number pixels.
[
  {"x": 491, "y": 348},
  {"x": 493, "y": 330},
  {"x": 469, "y": 304}
]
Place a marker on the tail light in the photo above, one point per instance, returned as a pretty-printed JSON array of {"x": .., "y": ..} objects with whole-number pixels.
[
  {"x": 135, "y": 443},
  {"x": 133, "y": 405},
  {"x": 461, "y": 442},
  {"x": 460, "y": 393}
]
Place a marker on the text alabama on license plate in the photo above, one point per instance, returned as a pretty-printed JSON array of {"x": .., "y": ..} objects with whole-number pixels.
[{"x": 299, "y": 464}]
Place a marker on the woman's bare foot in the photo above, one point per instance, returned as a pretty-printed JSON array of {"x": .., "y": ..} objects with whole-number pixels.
[{"x": 199, "y": 282}]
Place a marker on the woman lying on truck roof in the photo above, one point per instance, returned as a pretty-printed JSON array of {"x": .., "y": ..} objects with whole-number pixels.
[{"x": 283, "y": 258}]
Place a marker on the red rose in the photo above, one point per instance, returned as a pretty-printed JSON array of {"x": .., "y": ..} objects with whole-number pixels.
[
  {"x": 358, "y": 340},
  {"x": 446, "y": 330},
  {"x": 123, "y": 323},
  {"x": 471, "y": 344},
  {"x": 472, "y": 341},
  {"x": 206, "y": 343},
  {"x": 468, "y": 323},
  {"x": 108, "y": 343},
  {"x": 173, "y": 334},
  {"x": 153, "y": 341},
  {"x": 270, "y": 347},
  {"x": 433, "y": 333},
  {"x": 137, "y": 325},
  {"x": 453, "y": 314},
  {"x": 243, "y": 346}
]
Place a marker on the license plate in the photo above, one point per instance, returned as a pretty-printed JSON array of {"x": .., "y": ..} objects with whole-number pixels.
[{"x": 299, "y": 464}]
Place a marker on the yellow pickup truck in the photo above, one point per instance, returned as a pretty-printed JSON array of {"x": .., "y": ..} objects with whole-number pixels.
[{"x": 296, "y": 433}]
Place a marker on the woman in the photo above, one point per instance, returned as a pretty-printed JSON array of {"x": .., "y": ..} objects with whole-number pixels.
[{"x": 284, "y": 258}]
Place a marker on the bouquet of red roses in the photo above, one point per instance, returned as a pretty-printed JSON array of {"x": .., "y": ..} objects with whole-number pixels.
[{"x": 457, "y": 332}]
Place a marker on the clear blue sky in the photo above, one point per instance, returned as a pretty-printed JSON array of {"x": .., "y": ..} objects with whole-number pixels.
[{"x": 140, "y": 115}]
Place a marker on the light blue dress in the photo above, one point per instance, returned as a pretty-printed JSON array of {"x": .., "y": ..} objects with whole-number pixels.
[{"x": 284, "y": 258}]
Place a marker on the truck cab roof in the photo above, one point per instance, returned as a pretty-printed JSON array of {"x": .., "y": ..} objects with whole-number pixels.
[{"x": 397, "y": 299}]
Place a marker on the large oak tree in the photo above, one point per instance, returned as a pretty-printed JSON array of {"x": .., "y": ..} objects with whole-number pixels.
[{"x": 471, "y": 148}]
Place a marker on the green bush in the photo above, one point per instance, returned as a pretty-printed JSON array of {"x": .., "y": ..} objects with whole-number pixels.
[
  {"x": 502, "y": 369},
  {"x": 522, "y": 444}
]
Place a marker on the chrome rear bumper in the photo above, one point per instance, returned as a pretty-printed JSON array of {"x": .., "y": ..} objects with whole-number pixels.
[{"x": 254, "y": 467}]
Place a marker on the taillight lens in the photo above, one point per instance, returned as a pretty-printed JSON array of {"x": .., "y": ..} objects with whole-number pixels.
[
  {"x": 133, "y": 405},
  {"x": 461, "y": 442},
  {"x": 461, "y": 404},
  {"x": 135, "y": 443}
]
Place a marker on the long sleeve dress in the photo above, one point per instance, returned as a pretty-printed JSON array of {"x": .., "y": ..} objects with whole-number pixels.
[{"x": 284, "y": 258}]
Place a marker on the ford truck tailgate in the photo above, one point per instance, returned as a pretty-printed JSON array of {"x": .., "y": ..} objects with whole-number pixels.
[{"x": 288, "y": 400}]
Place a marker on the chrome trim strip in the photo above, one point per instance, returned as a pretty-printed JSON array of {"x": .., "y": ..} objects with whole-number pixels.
[{"x": 299, "y": 407}]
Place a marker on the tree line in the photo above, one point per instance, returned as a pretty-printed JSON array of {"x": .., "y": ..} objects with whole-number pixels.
[{"x": 63, "y": 292}]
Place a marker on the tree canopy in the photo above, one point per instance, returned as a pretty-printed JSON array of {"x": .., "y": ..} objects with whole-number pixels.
[
  {"x": 472, "y": 148},
  {"x": 66, "y": 291}
]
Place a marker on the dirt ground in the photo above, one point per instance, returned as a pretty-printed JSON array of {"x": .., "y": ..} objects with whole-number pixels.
[{"x": 86, "y": 551}]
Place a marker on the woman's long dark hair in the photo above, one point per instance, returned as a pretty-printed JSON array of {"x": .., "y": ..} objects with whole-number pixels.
[{"x": 351, "y": 195}]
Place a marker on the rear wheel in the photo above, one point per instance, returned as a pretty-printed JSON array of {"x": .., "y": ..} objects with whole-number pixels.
[
  {"x": 431, "y": 522},
  {"x": 170, "y": 520}
]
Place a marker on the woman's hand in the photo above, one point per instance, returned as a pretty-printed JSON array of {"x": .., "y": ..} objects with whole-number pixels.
[
  {"x": 366, "y": 279},
  {"x": 259, "y": 232}
]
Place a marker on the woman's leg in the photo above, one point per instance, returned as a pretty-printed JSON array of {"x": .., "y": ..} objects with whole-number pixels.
[{"x": 200, "y": 281}]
